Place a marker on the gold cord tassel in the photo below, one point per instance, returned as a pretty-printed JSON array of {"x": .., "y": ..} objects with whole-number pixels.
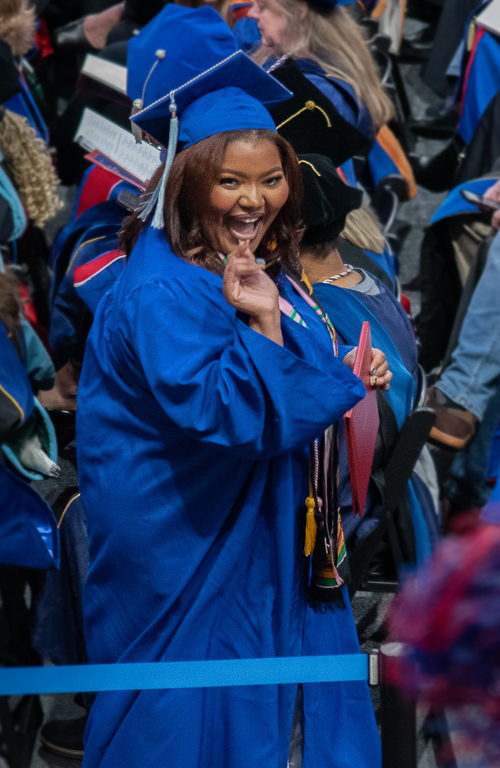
[
  {"x": 307, "y": 282},
  {"x": 311, "y": 527}
]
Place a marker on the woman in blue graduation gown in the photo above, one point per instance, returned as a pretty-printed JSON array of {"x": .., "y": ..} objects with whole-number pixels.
[{"x": 196, "y": 407}]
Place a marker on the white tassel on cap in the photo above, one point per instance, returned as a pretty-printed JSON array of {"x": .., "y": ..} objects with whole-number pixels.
[{"x": 173, "y": 134}]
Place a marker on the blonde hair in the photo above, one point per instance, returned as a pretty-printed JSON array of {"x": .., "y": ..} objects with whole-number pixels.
[
  {"x": 17, "y": 25},
  {"x": 334, "y": 41},
  {"x": 362, "y": 229},
  {"x": 222, "y": 6},
  {"x": 30, "y": 165}
]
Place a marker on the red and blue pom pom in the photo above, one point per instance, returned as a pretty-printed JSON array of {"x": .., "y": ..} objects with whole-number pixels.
[{"x": 449, "y": 619}]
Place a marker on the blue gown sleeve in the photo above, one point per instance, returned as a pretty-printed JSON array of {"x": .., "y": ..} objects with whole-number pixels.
[
  {"x": 343, "y": 350},
  {"x": 225, "y": 384},
  {"x": 16, "y": 396}
]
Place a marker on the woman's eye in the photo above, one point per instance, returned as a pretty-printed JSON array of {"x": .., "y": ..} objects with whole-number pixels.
[
  {"x": 228, "y": 182},
  {"x": 273, "y": 181}
]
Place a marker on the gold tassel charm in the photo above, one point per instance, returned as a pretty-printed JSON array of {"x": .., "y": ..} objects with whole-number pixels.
[
  {"x": 273, "y": 244},
  {"x": 307, "y": 282},
  {"x": 311, "y": 527}
]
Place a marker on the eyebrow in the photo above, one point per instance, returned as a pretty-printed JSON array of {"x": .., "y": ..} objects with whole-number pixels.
[{"x": 238, "y": 173}]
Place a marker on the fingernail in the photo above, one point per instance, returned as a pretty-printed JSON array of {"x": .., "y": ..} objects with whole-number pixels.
[
  {"x": 387, "y": 387},
  {"x": 374, "y": 371},
  {"x": 260, "y": 261}
]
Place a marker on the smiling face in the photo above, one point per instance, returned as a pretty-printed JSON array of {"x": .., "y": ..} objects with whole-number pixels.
[
  {"x": 247, "y": 196},
  {"x": 272, "y": 21}
]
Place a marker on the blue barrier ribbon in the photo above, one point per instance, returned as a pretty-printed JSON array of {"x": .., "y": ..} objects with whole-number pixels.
[{"x": 182, "y": 674}]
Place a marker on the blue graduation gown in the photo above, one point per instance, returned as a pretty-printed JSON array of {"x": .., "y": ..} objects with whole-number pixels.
[
  {"x": 67, "y": 307},
  {"x": 482, "y": 84},
  {"x": 391, "y": 332},
  {"x": 491, "y": 512},
  {"x": 456, "y": 205},
  {"x": 23, "y": 104},
  {"x": 192, "y": 435},
  {"x": 28, "y": 529}
]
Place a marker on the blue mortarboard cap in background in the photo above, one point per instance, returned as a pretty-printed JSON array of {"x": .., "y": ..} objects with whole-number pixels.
[
  {"x": 190, "y": 41},
  {"x": 198, "y": 86}
]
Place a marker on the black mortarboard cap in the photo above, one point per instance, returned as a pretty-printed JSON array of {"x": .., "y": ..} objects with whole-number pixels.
[
  {"x": 310, "y": 122},
  {"x": 327, "y": 199}
]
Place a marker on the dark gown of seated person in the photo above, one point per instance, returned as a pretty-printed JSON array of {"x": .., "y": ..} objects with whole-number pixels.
[{"x": 350, "y": 296}]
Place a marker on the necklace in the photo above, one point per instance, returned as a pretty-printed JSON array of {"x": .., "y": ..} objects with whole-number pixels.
[
  {"x": 333, "y": 278},
  {"x": 278, "y": 63}
]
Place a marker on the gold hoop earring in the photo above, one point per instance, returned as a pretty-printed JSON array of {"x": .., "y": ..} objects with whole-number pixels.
[{"x": 273, "y": 244}]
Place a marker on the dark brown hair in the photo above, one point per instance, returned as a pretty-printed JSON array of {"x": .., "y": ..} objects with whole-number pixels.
[
  {"x": 194, "y": 173},
  {"x": 10, "y": 301}
]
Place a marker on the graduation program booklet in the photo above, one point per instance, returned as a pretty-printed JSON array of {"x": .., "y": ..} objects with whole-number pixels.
[
  {"x": 107, "y": 73},
  {"x": 361, "y": 425},
  {"x": 114, "y": 148},
  {"x": 490, "y": 17}
]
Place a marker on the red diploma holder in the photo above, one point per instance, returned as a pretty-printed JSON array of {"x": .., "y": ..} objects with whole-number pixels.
[{"x": 361, "y": 425}]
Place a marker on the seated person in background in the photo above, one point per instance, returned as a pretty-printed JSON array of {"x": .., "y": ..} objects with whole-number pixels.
[
  {"x": 311, "y": 123},
  {"x": 466, "y": 397},
  {"x": 329, "y": 47},
  {"x": 463, "y": 392},
  {"x": 327, "y": 202}
]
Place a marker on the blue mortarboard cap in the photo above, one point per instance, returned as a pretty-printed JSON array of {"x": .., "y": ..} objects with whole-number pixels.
[
  {"x": 235, "y": 71},
  {"x": 190, "y": 41},
  {"x": 228, "y": 109},
  {"x": 203, "y": 89}
]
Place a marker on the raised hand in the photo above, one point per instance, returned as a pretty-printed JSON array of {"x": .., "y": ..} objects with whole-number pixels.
[
  {"x": 493, "y": 193},
  {"x": 247, "y": 288}
]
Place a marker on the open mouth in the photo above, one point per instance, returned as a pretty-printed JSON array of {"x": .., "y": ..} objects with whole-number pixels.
[{"x": 244, "y": 227}]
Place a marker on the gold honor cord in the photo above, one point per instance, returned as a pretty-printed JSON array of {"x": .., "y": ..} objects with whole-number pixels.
[
  {"x": 310, "y": 105},
  {"x": 87, "y": 242},
  {"x": 70, "y": 502},
  {"x": 9, "y": 397},
  {"x": 306, "y": 162}
]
